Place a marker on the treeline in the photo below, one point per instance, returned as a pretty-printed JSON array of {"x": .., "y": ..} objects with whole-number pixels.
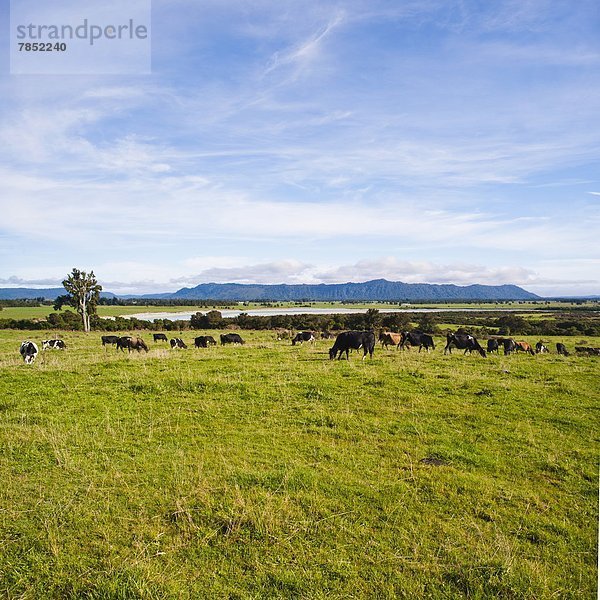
[
  {"x": 480, "y": 324},
  {"x": 21, "y": 302}
]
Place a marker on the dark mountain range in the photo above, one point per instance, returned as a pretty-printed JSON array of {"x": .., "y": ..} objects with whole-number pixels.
[{"x": 378, "y": 289}]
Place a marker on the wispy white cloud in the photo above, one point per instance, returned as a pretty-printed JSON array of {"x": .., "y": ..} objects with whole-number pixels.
[{"x": 422, "y": 128}]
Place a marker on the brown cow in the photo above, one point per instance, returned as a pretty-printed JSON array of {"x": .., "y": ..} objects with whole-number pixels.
[
  {"x": 389, "y": 338},
  {"x": 524, "y": 347},
  {"x": 131, "y": 343}
]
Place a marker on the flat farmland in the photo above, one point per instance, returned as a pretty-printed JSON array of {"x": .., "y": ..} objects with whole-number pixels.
[{"x": 269, "y": 471}]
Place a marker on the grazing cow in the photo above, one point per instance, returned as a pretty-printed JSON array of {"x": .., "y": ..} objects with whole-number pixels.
[
  {"x": 231, "y": 338},
  {"x": 509, "y": 346},
  {"x": 389, "y": 338},
  {"x": 204, "y": 341},
  {"x": 177, "y": 343},
  {"x": 353, "y": 340},
  {"x": 463, "y": 341},
  {"x": 327, "y": 335},
  {"x": 55, "y": 344},
  {"x": 587, "y": 351},
  {"x": 416, "y": 338},
  {"x": 561, "y": 349},
  {"x": 524, "y": 347},
  {"x": 493, "y": 345},
  {"x": 109, "y": 339},
  {"x": 131, "y": 343},
  {"x": 158, "y": 337},
  {"x": 540, "y": 348},
  {"x": 29, "y": 351},
  {"x": 303, "y": 336}
]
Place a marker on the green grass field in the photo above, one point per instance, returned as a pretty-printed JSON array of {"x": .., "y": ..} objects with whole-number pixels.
[{"x": 268, "y": 471}]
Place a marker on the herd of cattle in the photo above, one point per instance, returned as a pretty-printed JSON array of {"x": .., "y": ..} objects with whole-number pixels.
[{"x": 345, "y": 342}]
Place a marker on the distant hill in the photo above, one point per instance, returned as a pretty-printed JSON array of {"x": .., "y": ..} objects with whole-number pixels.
[
  {"x": 378, "y": 289},
  {"x": 31, "y": 293}
]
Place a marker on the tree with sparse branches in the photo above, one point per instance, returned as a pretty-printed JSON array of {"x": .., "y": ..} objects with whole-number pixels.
[{"x": 83, "y": 294}]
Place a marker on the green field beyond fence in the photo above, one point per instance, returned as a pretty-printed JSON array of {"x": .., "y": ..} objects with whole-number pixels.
[{"x": 268, "y": 471}]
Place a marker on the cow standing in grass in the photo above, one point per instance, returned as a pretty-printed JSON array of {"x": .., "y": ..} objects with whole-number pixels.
[
  {"x": 204, "y": 341},
  {"x": 53, "y": 344},
  {"x": 389, "y": 338},
  {"x": 109, "y": 339},
  {"x": 231, "y": 338},
  {"x": 131, "y": 343},
  {"x": 524, "y": 347},
  {"x": 416, "y": 338},
  {"x": 463, "y": 341},
  {"x": 353, "y": 340},
  {"x": 303, "y": 336},
  {"x": 177, "y": 343},
  {"x": 28, "y": 351}
]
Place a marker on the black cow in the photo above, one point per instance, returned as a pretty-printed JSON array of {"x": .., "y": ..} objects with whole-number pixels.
[
  {"x": 493, "y": 345},
  {"x": 416, "y": 338},
  {"x": 327, "y": 335},
  {"x": 55, "y": 344},
  {"x": 131, "y": 343},
  {"x": 463, "y": 341},
  {"x": 587, "y": 351},
  {"x": 177, "y": 343},
  {"x": 303, "y": 336},
  {"x": 231, "y": 338},
  {"x": 158, "y": 337},
  {"x": 109, "y": 339},
  {"x": 561, "y": 349},
  {"x": 540, "y": 348},
  {"x": 509, "y": 346},
  {"x": 204, "y": 341},
  {"x": 29, "y": 351},
  {"x": 353, "y": 340}
]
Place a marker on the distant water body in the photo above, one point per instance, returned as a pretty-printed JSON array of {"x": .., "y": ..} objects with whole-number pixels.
[{"x": 272, "y": 312}]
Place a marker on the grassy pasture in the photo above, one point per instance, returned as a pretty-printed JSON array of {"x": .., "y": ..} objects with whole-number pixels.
[{"x": 267, "y": 471}]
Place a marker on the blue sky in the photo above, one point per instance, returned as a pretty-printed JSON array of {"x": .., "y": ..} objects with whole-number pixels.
[{"x": 300, "y": 142}]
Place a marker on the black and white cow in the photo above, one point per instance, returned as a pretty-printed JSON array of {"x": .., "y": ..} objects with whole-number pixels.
[
  {"x": 29, "y": 351},
  {"x": 416, "y": 338},
  {"x": 463, "y": 341},
  {"x": 540, "y": 348},
  {"x": 204, "y": 341},
  {"x": 561, "y": 349},
  {"x": 231, "y": 338},
  {"x": 109, "y": 339},
  {"x": 159, "y": 337},
  {"x": 177, "y": 343},
  {"x": 54, "y": 344},
  {"x": 354, "y": 340},
  {"x": 303, "y": 336}
]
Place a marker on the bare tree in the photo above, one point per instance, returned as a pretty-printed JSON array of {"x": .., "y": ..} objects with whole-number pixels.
[{"x": 83, "y": 294}]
